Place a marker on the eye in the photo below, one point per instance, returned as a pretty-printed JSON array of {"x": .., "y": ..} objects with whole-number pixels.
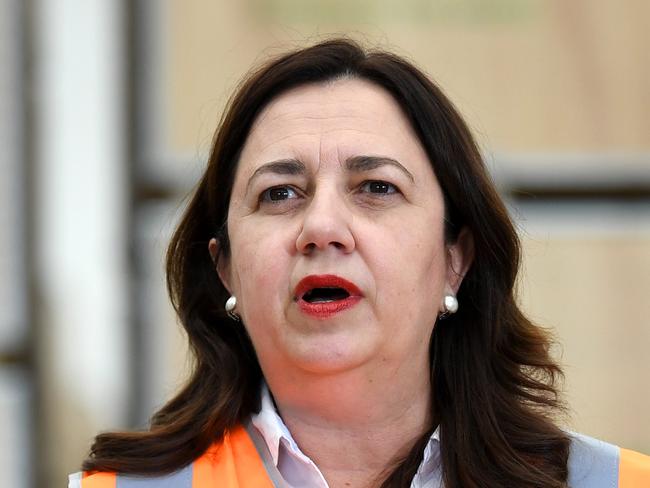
[
  {"x": 278, "y": 194},
  {"x": 378, "y": 187}
]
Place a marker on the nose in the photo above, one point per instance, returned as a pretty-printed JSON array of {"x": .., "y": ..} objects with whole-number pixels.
[{"x": 326, "y": 224}]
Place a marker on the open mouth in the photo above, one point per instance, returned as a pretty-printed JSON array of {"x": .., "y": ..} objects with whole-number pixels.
[{"x": 324, "y": 295}]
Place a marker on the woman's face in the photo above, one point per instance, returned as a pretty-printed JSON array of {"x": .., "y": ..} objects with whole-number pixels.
[{"x": 338, "y": 258}]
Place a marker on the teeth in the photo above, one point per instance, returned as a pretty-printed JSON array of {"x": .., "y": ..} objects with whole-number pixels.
[{"x": 324, "y": 295}]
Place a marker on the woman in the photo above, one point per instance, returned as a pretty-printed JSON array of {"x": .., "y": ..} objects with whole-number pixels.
[{"x": 345, "y": 275}]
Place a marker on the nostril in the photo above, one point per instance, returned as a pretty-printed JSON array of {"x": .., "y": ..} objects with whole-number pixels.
[
  {"x": 323, "y": 235},
  {"x": 312, "y": 246}
]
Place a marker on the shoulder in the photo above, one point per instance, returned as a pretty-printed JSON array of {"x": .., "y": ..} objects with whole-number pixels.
[
  {"x": 178, "y": 479},
  {"x": 595, "y": 464},
  {"x": 94, "y": 480},
  {"x": 231, "y": 462},
  {"x": 634, "y": 469}
]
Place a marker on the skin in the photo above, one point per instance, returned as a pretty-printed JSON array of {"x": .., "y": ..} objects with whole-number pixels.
[{"x": 332, "y": 218}]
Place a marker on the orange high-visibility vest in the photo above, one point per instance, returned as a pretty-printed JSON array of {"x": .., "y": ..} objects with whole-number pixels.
[
  {"x": 239, "y": 460},
  {"x": 242, "y": 460}
]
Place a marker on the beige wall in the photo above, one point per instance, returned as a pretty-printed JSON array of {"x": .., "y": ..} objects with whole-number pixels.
[
  {"x": 593, "y": 291},
  {"x": 529, "y": 75}
]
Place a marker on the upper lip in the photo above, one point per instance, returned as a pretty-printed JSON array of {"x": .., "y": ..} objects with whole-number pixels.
[{"x": 325, "y": 281}]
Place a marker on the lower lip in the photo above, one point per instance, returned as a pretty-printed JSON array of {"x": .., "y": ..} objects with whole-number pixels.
[{"x": 323, "y": 310}]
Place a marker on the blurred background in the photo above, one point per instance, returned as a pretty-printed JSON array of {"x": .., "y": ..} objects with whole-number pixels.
[{"x": 107, "y": 109}]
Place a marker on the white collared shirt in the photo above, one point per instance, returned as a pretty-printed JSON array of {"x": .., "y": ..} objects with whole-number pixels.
[{"x": 300, "y": 472}]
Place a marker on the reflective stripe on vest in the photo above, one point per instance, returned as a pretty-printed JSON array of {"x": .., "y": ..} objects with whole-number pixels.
[
  {"x": 242, "y": 460},
  {"x": 597, "y": 464},
  {"x": 592, "y": 463}
]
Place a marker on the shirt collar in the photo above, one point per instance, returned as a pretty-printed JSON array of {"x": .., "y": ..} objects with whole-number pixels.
[
  {"x": 275, "y": 433},
  {"x": 270, "y": 425}
]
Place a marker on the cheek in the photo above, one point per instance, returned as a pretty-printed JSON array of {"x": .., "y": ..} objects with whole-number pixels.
[
  {"x": 260, "y": 269},
  {"x": 410, "y": 267}
]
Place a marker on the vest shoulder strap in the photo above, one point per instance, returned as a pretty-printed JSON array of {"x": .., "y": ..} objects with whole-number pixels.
[{"x": 233, "y": 463}]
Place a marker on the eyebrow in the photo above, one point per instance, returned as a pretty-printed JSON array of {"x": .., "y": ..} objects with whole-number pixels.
[
  {"x": 359, "y": 164},
  {"x": 355, "y": 164},
  {"x": 279, "y": 167}
]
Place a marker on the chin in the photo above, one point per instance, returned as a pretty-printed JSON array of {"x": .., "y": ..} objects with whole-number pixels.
[{"x": 329, "y": 355}]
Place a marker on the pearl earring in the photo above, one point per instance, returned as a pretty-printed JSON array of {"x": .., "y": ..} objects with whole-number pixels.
[
  {"x": 231, "y": 303},
  {"x": 450, "y": 305}
]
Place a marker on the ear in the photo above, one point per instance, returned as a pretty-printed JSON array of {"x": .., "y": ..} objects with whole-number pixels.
[
  {"x": 460, "y": 255},
  {"x": 221, "y": 264}
]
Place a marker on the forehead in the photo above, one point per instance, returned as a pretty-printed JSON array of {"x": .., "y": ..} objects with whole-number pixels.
[
  {"x": 344, "y": 98},
  {"x": 331, "y": 120}
]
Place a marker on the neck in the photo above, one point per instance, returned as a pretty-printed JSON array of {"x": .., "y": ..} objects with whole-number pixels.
[{"x": 355, "y": 425}]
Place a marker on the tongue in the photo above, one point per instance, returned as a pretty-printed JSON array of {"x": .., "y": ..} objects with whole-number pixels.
[{"x": 320, "y": 295}]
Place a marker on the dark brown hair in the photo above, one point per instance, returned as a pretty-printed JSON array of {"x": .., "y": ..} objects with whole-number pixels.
[{"x": 493, "y": 380}]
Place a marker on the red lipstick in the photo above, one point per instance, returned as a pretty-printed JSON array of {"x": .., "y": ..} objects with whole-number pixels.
[{"x": 322, "y": 296}]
